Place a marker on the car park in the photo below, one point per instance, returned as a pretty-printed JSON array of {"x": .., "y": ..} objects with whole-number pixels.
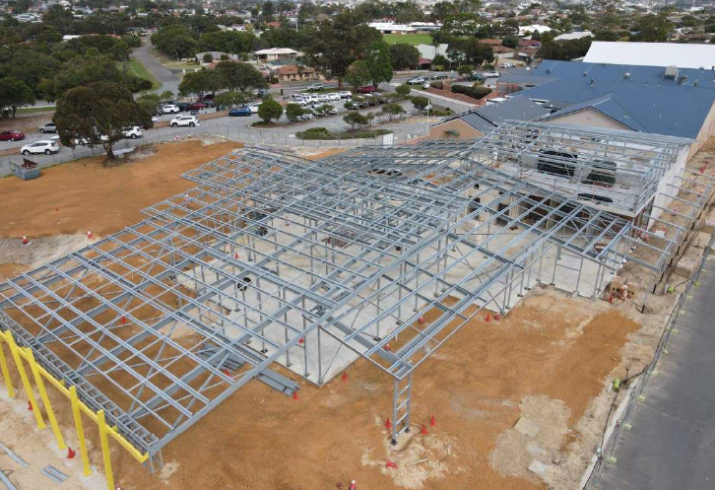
[
  {"x": 242, "y": 111},
  {"x": 12, "y": 135},
  {"x": 367, "y": 89},
  {"x": 315, "y": 86},
  {"x": 48, "y": 128},
  {"x": 38, "y": 147},
  {"x": 417, "y": 80},
  {"x": 170, "y": 109},
  {"x": 184, "y": 121}
]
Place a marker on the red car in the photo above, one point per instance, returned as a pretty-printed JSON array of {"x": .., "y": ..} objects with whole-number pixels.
[
  {"x": 196, "y": 106},
  {"x": 12, "y": 136},
  {"x": 366, "y": 89}
]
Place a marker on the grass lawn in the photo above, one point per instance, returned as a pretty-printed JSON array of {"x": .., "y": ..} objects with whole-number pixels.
[
  {"x": 34, "y": 110},
  {"x": 413, "y": 39},
  {"x": 137, "y": 68}
]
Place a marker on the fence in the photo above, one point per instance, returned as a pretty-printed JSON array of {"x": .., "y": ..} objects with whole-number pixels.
[
  {"x": 220, "y": 127},
  {"x": 636, "y": 393}
]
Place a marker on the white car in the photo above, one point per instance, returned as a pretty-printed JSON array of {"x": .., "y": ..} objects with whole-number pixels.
[
  {"x": 38, "y": 147},
  {"x": 345, "y": 94},
  {"x": 333, "y": 97},
  {"x": 323, "y": 98},
  {"x": 254, "y": 107},
  {"x": 189, "y": 121},
  {"x": 315, "y": 86},
  {"x": 491, "y": 74},
  {"x": 508, "y": 65},
  {"x": 170, "y": 109},
  {"x": 134, "y": 132},
  {"x": 416, "y": 81}
]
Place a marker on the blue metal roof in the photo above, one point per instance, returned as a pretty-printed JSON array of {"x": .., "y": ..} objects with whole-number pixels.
[{"x": 642, "y": 102}]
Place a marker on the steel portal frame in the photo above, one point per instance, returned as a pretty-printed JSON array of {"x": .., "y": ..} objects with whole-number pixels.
[{"x": 271, "y": 257}]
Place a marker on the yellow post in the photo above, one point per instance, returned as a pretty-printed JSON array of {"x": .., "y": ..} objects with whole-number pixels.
[
  {"x": 80, "y": 430},
  {"x": 15, "y": 351},
  {"x": 45, "y": 399},
  {"x": 6, "y": 372},
  {"x": 105, "y": 449}
]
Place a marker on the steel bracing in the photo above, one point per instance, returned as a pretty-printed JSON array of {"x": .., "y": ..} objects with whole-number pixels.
[{"x": 274, "y": 263}]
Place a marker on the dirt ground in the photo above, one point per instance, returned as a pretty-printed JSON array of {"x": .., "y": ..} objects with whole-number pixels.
[
  {"x": 86, "y": 195},
  {"x": 549, "y": 363}
]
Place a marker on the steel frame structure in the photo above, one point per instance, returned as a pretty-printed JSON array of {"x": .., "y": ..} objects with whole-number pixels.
[
  {"x": 625, "y": 167},
  {"x": 276, "y": 260}
]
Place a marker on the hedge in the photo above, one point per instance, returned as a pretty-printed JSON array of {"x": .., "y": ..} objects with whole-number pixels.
[
  {"x": 325, "y": 134},
  {"x": 473, "y": 92}
]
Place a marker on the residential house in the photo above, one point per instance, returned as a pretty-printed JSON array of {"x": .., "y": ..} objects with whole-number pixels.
[
  {"x": 296, "y": 73},
  {"x": 276, "y": 54}
]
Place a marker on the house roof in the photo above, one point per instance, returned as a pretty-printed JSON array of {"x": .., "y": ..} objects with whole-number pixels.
[
  {"x": 573, "y": 35},
  {"x": 488, "y": 117},
  {"x": 652, "y": 54},
  {"x": 276, "y": 51},
  {"x": 641, "y": 102},
  {"x": 293, "y": 69}
]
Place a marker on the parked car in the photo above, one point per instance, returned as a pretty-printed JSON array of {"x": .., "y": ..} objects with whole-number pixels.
[
  {"x": 48, "y": 128},
  {"x": 426, "y": 85},
  {"x": 345, "y": 94},
  {"x": 134, "y": 132},
  {"x": 491, "y": 74},
  {"x": 12, "y": 135},
  {"x": 183, "y": 106},
  {"x": 262, "y": 92},
  {"x": 507, "y": 65},
  {"x": 208, "y": 102},
  {"x": 242, "y": 111},
  {"x": 197, "y": 106},
  {"x": 190, "y": 121},
  {"x": 315, "y": 86},
  {"x": 38, "y": 147},
  {"x": 439, "y": 76},
  {"x": 367, "y": 89},
  {"x": 323, "y": 98},
  {"x": 254, "y": 107},
  {"x": 306, "y": 117},
  {"x": 477, "y": 77},
  {"x": 333, "y": 97},
  {"x": 417, "y": 80},
  {"x": 170, "y": 109}
]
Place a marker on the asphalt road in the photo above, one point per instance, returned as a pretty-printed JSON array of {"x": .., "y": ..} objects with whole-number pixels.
[
  {"x": 672, "y": 440},
  {"x": 169, "y": 81}
]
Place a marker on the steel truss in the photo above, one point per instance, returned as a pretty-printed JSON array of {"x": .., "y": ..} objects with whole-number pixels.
[
  {"x": 617, "y": 170},
  {"x": 309, "y": 265}
]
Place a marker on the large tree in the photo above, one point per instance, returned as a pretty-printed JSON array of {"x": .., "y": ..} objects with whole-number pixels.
[
  {"x": 240, "y": 76},
  {"x": 201, "y": 82},
  {"x": 14, "y": 93},
  {"x": 338, "y": 42},
  {"x": 98, "y": 113},
  {"x": 358, "y": 74},
  {"x": 379, "y": 62},
  {"x": 404, "y": 56}
]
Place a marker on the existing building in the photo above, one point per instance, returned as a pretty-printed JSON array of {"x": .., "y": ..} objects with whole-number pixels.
[
  {"x": 571, "y": 36},
  {"x": 296, "y": 73},
  {"x": 276, "y": 54},
  {"x": 652, "y": 54},
  {"x": 649, "y": 99},
  {"x": 480, "y": 121},
  {"x": 390, "y": 28}
]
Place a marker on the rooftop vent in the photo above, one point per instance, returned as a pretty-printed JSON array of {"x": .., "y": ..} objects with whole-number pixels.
[
  {"x": 681, "y": 79},
  {"x": 585, "y": 73},
  {"x": 671, "y": 72},
  {"x": 627, "y": 76},
  {"x": 696, "y": 83}
]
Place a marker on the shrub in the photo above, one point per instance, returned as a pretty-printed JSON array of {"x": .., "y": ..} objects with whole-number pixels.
[
  {"x": 349, "y": 105},
  {"x": 355, "y": 119},
  {"x": 403, "y": 90},
  {"x": 475, "y": 91},
  {"x": 294, "y": 111},
  {"x": 436, "y": 84},
  {"x": 269, "y": 110},
  {"x": 420, "y": 103},
  {"x": 224, "y": 57},
  {"x": 393, "y": 110},
  {"x": 316, "y": 134},
  {"x": 208, "y": 58},
  {"x": 465, "y": 70}
]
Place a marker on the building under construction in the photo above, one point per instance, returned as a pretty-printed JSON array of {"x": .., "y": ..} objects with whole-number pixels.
[{"x": 379, "y": 252}]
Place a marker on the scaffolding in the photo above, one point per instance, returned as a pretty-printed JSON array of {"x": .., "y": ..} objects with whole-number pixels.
[{"x": 381, "y": 253}]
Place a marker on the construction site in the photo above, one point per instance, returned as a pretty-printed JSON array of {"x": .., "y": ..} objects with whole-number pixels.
[{"x": 441, "y": 315}]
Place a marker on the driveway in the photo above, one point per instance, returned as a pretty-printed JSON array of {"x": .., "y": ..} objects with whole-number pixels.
[{"x": 168, "y": 80}]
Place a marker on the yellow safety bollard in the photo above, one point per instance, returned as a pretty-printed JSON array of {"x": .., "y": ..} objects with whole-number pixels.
[
  {"x": 15, "y": 351},
  {"x": 101, "y": 422},
  {"x": 80, "y": 430},
  {"x": 6, "y": 371},
  {"x": 45, "y": 399}
]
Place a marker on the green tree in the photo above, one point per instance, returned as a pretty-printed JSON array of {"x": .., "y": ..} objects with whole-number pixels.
[
  {"x": 240, "y": 76},
  {"x": 358, "y": 74},
  {"x": 269, "y": 110},
  {"x": 208, "y": 58},
  {"x": 95, "y": 110},
  {"x": 230, "y": 99},
  {"x": 404, "y": 56},
  {"x": 465, "y": 70},
  {"x": 404, "y": 90},
  {"x": 653, "y": 28},
  {"x": 175, "y": 40},
  {"x": 338, "y": 42},
  {"x": 201, "y": 82},
  {"x": 294, "y": 111},
  {"x": 510, "y": 42},
  {"x": 392, "y": 110},
  {"x": 356, "y": 120},
  {"x": 420, "y": 103},
  {"x": 379, "y": 62},
  {"x": 14, "y": 93}
]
